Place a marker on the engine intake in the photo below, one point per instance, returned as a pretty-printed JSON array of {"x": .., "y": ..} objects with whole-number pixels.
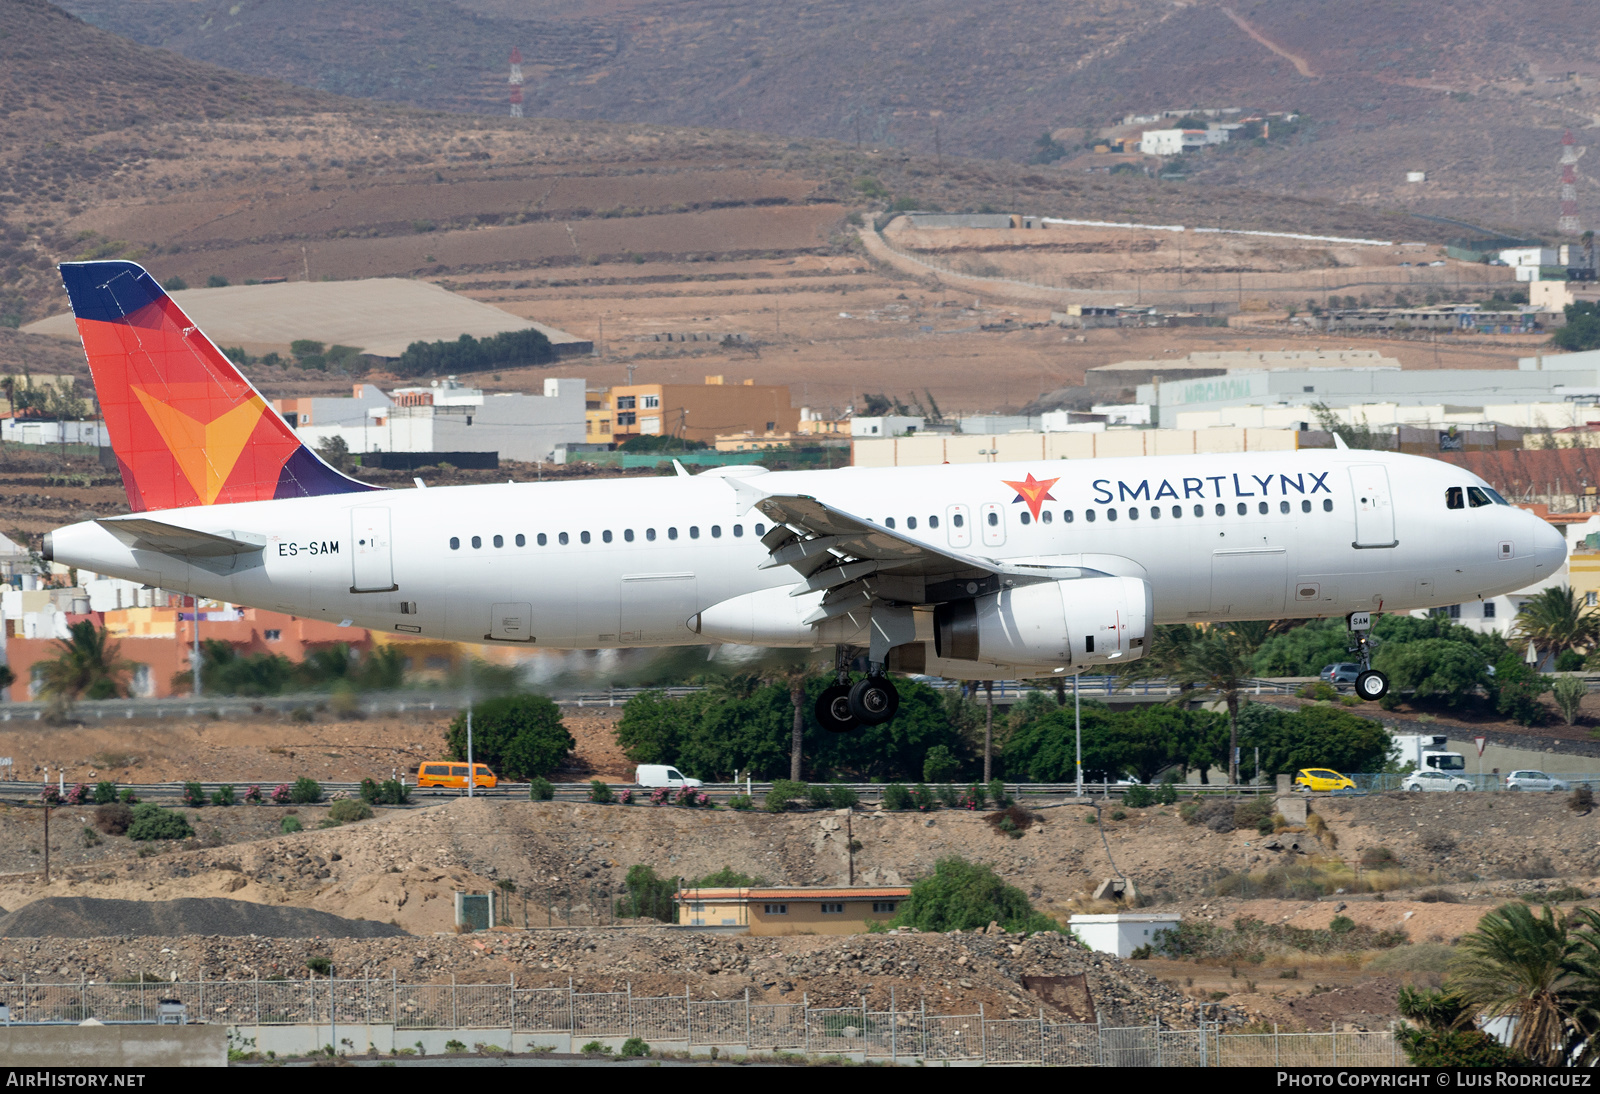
[{"x": 1087, "y": 621}]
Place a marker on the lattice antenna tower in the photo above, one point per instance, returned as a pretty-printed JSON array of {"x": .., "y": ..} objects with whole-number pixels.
[
  {"x": 516, "y": 82},
  {"x": 1571, "y": 152}
]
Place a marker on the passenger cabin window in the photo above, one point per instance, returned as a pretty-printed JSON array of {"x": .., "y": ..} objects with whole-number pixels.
[
  {"x": 888, "y": 522},
  {"x": 738, "y": 530},
  {"x": 1477, "y": 498},
  {"x": 477, "y": 542},
  {"x": 1133, "y": 512},
  {"x": 1261, "y": 507},
  {"x": 1283, "y": 507},
  {"x": 911, "y": 523},
  {"x": 522, "y": 540},
  {"x": 1177, "y": 511},
  {"x": 1243, "y": 508},
  {"x": 694, "y": 531},
  {"x": 1046, "y": 516},
  {"x": 958, "y": 520},
  {"x": 672, "y": 533},
  {"x": 627, "y": 534},
  {"x": 1222, "y": 510},
  {"x": 455, "y": 543},
  {"x": 606, "y": 536},
  {"x": 716, "y": 531},
  {"x": 1066, "y": 516},
  {"x": 1327, "y": 505},
  {"x": 650, "y": 534},
  {"x": 543, "y": 539},
  {"x": 994, "y": 520},
  {"x": 1026, "y": 519},
  {"x": 583, "y": 537},
  {"x": 761, "y": 529},
  {"x": 499, "y": 541},
  {"x": 1305, "y": 507},
  {"x": 933, "y": 522},
  {"x": 1088, "y": 515},
  {"x": 1200, "y": 510},
  {"x": 1453, "y": 498},
  {"x": 562, "y": 539},
  {"x": 1111, "y": 514},
  {"x": 1155, "y": 512}
]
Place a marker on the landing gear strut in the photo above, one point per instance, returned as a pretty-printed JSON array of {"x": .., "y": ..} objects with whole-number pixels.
[{"x": 1371, "y": 685}]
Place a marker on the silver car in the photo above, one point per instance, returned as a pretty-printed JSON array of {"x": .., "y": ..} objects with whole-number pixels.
[
  {"x": 1534, "y": 780},
  {"x": 1434, "y": 780}
]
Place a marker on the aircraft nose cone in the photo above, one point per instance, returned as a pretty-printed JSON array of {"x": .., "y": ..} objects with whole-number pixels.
[{"x": 1549, "y": 549}]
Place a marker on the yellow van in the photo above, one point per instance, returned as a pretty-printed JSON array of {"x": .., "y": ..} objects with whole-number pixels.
[{"x": 454, "y": 775}]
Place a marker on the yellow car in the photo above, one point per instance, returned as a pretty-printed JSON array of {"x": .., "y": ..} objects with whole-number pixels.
[{"x": 1323, "y": 778}]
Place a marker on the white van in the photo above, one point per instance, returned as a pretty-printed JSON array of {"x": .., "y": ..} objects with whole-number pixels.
[{"x": 654, "y": 775}]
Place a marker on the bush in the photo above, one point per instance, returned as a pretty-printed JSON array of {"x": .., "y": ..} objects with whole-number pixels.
[
  {"x": 105, "y": 793},
  {"x": 291, "y": 825},
  {"x": 600, "y": 791},
  {"x": 129, "y": 797},
  {"x": 997, "y": 793},
  {"x": 843, "y": 797},
  {"x": 626, "y": 797},
  {"x": 194, "y": 795},
  {"x": 113, "y": 818},
  {"x": 1318, "y": 690},
  {"x": 305, "y": 791},
  {"x": 1216, "y": 814},
  {"x": 519, "y": 736},
  {"x": 280, "y": 794},
  {"x": 1461, "y": 1048},
  {"x": 783, "y": 791},
  {"x": 78, "y": 794},
  {"x": 252, "y": 794},
  {"x": 896, "y": 797},
  {"x": 590, "y": 1048},
  {"x": 1116, "y": 814},
  {"x": 1255, "y": 814},
  {"x": 1568, "y": 693},
  {"x": 961, "y": 896},
  {"x": 635, "y": 1046},
  {"x": 1167, "y": 794},
  {"x": 1341, "y": 924},
  {"x": 151, "y": 822},
  {"x": 1374, "y": 857},
  {"x": 817, "y": 796},
  {"x": 1138, "y": 797},
  {"x": 387, "y": 792},
  {"x": 1581, "y": 800},
  {"x": 940, "y": 765},
  {"x": 541, "y": 790},
  {"x": 223, "y": 795},
  {"x": 741, "y": 802},
  {"x": 977, "y": 797},
  {"x": 648, "y": 896},
  {"x": 348, "y": 810}
]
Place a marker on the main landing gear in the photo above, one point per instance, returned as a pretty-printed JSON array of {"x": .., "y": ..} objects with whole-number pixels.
[
  {"x": 869, "y": 702},
  {"x": 1371, "y": 685}
]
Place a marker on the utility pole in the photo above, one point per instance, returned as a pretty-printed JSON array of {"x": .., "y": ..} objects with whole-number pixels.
[
  {"x": 469, "y": 726},
  {"x": 988, "y": 730},
  {"x": 47, "y": 833},
  {"x": 194, "y": 658},
  {"x": 1077, "y": 727}
]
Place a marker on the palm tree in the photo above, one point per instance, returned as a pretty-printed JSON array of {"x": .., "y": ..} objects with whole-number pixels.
[
  {"x": 1520, "y": 966},
  {"x": 88, "y": 664},
  {"x": 1557, "y": 620},
  {"x": 1218, "y": 659}
]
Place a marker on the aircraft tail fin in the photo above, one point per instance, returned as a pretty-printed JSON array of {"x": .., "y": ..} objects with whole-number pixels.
[{"x": 186, "y": 426}]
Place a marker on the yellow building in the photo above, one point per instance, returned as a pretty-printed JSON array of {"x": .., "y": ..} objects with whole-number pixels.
[
  {"x": 689, "y": 411},
  {"x": 796, "y": 910},
  {"x": 751, "y": 442}
]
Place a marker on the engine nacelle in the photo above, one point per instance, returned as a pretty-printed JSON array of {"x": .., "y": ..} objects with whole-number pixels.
[{"x": 1086, "y": 621}]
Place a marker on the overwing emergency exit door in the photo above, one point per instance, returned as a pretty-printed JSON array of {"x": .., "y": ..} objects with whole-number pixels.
[{"x": 371, "y": 558}]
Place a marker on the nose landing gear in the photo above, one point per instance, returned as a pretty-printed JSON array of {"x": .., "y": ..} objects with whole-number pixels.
[{"x": 1371, "y": 685}]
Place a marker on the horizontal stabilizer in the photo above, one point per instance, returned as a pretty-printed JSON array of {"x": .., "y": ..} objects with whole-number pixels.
[{"x": 145, "y": 534}]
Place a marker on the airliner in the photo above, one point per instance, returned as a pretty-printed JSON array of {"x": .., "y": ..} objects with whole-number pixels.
[{"x": 1022, "y": 570}]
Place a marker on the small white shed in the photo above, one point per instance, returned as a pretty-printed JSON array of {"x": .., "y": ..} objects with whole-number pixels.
[{"x": 1122, "y": 932}]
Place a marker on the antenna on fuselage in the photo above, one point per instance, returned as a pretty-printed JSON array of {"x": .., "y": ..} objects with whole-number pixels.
[
  {"x": 1338, "y": 442},
  {"x": 683, "y": 472}
]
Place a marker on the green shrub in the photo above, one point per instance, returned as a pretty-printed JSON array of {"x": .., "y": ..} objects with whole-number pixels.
[
  {"x": 997, "y": 793},
  {"x": 151, "y": 822},
  {"x": 541, "y": 790},
  {"x": 1256, "y": 813},
  {"x": 1459, "y": 1048},
  {"x": 978, "y": 795},
  {"x": 940, "y": 765},
  {"x": 923, "y": 799},
  {"x": 783, "y": 791},
  {"x": 519, "y": 736},
  {"x": 1341, "y": 924},
  {"x": 647, "y": 896},
  {"x": 843, "y": 797},
  {"x": 1167, "y": 794},
  {"x": 741, "y": 802},
  {"x": 348, "y": 810},
  {"x": 129, "y": 797},
  {"x": 223, "y": 795},
  {"x": 896, "y": 797},
  {"x": 454, "y": 1045},
  {"x": 105, "y": 793},
  {"x": 387, "y": 792},
  {"x": 960, "y": 895},
  {"x": 1138, "y": 797},
  {"x": 635, "y": 1046},
  {"x": 194, "y": 795},
  {"x": 320, "y": 966},
  {"x": 1116, "y": 814},
  {"x": 305, "y": 791},
  {"x": 595, "y": 1048},
  {"x": 291, "y": 825},
  {"x": 1189, "y": 812},
  {"x": 600, "y": 791},
  {"x": 817, "y": 796}
]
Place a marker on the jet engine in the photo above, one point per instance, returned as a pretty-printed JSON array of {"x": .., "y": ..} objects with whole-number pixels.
[{"x": 1084, "y": 621}]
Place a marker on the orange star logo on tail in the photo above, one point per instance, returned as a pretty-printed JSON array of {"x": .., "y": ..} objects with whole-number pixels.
[
  {"x": 206, "y": 452},
  {"x": 1033, "y": 491}
]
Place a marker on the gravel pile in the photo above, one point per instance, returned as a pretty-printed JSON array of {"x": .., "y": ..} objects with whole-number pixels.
[{"x": 89, "y": 917}]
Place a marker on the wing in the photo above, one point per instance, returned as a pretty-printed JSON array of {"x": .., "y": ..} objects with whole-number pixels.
[{"x": 856, "y": 561}]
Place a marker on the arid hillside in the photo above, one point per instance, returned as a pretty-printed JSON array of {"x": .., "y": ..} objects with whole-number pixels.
[{"x": 1475, "y": 95}]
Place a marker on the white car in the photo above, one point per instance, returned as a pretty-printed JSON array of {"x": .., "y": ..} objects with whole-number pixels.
[
  {"x": 1434, "y": 780},
  {"x": 655, "y": 775},
  {"x": 1534, "y": 780}
]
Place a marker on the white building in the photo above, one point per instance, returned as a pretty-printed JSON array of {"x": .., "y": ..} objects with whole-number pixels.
[
  {"x": 887, "y": 425},
  {"x": 449, "y": 417},
  {"x": 1122, "y": 932},
  {"x": 30, "y": 431}
]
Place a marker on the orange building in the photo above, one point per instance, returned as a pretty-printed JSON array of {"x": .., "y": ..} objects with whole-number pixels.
[
  {"x": 689, "y": 411},
  {"x": 158, "y": 643}
]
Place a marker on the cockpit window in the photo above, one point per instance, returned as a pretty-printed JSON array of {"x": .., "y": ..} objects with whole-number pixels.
[
  {"x": 1495, "y": 494},
  {"x": 1477, "y": 498},
  {"x": 1453, "y": 498}
]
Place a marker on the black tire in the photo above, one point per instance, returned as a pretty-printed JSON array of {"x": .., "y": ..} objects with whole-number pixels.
[
  {"x": 1461, "y": 788},
  {"x": 1372, "y": 685},
  {"x": 833, "y": 709},
  {"x": 874, "y": 700}
]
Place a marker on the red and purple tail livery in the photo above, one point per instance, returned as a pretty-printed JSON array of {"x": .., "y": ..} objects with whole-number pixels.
[{"x": 187, "y": 427}]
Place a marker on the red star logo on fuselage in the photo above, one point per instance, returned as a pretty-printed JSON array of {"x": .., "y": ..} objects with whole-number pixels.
[{"x": 1034, "y": 491}]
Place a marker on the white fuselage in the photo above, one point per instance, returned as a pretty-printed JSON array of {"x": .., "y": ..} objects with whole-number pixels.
[{"x": 629, "y": 562}]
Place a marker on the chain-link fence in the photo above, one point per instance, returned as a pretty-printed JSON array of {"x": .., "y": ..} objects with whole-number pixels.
[{"x": 910, "y": 1033}]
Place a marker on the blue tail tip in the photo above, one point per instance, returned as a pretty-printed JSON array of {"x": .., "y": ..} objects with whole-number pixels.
[{"x": 109, "y": 291}]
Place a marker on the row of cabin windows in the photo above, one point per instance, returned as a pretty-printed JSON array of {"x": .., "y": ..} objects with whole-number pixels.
[
  {"x": 1067, "y": 515},
  {"x": 606, "y": 536}
]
